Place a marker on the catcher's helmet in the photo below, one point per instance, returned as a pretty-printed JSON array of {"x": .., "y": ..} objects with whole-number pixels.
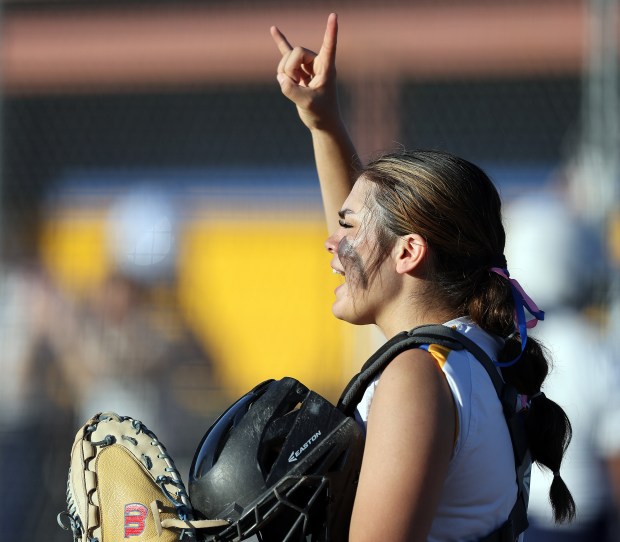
[{"x": 282, "y": 462}]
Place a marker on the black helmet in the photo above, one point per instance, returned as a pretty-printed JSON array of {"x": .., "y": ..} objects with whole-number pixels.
[{"x": 282, "y": 462}]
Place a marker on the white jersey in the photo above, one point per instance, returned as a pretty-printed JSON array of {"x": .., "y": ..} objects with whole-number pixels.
[{"x": 480, "y": 488}]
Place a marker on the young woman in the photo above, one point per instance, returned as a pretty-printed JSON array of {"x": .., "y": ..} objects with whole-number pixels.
[{"x": 418, "y": 238}]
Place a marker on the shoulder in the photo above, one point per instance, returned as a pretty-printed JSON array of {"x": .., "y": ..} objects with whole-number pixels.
[
  {"x": 415, "y": 370},
  {"x": 412, "y": 387}
]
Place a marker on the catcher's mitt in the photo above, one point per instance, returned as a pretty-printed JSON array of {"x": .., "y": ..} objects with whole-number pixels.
[{"x": 123, "y": 484}]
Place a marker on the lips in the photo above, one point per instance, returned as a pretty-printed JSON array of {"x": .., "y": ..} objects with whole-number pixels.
[{"x": 341, "y": 277}]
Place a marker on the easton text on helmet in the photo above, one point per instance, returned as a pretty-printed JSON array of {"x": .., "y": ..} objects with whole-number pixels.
[{"x": 295, "y": 455}]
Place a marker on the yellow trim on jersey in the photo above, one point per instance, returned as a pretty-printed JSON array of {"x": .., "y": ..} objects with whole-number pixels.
[{"x": 441, "y": 353}]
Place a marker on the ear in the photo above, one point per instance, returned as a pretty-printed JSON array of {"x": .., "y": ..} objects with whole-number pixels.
[{"x": 410, "y": 252}]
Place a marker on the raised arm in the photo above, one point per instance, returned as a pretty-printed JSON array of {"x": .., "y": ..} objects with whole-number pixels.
[{"x": 308, "y": 79}]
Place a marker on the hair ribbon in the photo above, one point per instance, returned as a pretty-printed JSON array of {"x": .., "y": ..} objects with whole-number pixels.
[{"x": 521, "y": 302}]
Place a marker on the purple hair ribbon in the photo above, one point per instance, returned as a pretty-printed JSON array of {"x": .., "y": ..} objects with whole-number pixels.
[{"x": 521, "y": 301}]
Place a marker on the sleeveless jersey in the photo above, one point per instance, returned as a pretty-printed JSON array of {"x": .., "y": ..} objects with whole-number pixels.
[{"x": 480, "y": 488}]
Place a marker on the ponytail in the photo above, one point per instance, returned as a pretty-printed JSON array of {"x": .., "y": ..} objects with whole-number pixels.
[
  {"x": 547, "y": 426},
  {"x": 546, "y": 417}
]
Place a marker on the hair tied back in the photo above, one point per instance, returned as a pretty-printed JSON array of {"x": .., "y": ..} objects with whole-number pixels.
[
  {"x": 521, "y": 302},
  {"x": 537, "y": 395}
]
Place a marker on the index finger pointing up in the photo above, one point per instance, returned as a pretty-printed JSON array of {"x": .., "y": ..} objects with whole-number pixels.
[
  {"x": 328, "y": 48},
  {"x": 283, "y": 45}
]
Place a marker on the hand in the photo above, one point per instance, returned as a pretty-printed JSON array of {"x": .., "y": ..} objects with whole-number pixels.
[{"x": 308, "y": 79}]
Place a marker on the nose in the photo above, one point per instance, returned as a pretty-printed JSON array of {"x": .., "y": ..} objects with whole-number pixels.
[{"x": 331, "y": 243}]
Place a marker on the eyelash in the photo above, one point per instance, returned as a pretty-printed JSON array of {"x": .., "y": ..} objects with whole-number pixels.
[{"x": 343, "y": 224}]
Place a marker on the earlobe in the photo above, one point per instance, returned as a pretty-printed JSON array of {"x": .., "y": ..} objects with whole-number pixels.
[{"x": 411, "y": 252}]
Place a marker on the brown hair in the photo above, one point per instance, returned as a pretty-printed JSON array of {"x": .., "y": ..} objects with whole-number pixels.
[{"x": 454, "y": 205}]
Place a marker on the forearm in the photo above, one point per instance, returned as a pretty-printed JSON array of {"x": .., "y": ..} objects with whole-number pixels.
[
  {"x": 337, "y": 166},
  {"x": 309, "y": 80}
]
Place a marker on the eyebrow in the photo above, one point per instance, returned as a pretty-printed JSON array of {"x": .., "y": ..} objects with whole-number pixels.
[{"x": 344, "y": 212}]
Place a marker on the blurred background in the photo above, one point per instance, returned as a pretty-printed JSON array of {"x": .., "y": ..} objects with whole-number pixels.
[{"x": 161, "y": 242}]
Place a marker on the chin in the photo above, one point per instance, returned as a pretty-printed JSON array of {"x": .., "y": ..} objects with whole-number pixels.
[{"x": 350, "y": 316}]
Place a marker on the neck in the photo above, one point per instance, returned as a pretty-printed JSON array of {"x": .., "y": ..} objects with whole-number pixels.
[{"x": 396, "y": 321}]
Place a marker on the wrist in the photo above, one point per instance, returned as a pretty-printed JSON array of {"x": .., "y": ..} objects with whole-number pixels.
[{"x": 329, "y": 125}]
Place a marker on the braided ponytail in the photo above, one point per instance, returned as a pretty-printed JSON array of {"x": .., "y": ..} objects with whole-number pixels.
[
  {"x": 549, "y": 432},
  {"x": 547, "y": 426}
]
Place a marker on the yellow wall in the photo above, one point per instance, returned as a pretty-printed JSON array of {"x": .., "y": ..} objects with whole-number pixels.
[
  {"x": 260, "y": 291},
  {"x": 73, "y": 249},
  {"x": 257, "y": 290}
]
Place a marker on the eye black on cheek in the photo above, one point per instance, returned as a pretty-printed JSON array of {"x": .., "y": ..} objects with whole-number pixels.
[{"x": 352, "y": 262}]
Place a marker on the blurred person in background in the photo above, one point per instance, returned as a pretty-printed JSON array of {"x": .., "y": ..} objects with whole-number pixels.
[
  {"x": 124, "y": 347},
  {"x": 127, "y": 348},
  {"x": 35, "y": 403},
  {"x": 560, "y": 262}
]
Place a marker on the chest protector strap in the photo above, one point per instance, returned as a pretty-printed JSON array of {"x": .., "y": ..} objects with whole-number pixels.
[{"x": 452, "y": 339}]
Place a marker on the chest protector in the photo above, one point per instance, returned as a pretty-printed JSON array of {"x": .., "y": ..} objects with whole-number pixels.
[{"x": 516, "y": 523}]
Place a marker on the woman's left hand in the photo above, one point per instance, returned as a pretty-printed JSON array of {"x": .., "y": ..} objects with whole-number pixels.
[{"x": 308, "y": 79}]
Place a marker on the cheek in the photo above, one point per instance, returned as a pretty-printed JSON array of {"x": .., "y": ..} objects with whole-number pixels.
[{"x": 353, "y": 263}]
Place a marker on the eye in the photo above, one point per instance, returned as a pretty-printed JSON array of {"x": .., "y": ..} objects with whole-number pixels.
[{"x": 344, "y": 224}]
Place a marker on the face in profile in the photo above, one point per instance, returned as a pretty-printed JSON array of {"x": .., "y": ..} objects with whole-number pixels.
[{"x": 363, "y": 294}]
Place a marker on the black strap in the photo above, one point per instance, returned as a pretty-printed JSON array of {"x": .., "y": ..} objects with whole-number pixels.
[
  {"x": 406, "y": 340},
  {"x": 452, "y": 339},
  {"x": 513, "y": 527}
]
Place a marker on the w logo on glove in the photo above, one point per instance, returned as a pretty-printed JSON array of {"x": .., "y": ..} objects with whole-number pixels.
[
  {"x": 135, "y": 519},
  {"x": 120, "y": 474}
]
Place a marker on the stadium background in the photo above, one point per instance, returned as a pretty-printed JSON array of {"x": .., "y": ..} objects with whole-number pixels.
[{"x": 174, "y": 107}]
